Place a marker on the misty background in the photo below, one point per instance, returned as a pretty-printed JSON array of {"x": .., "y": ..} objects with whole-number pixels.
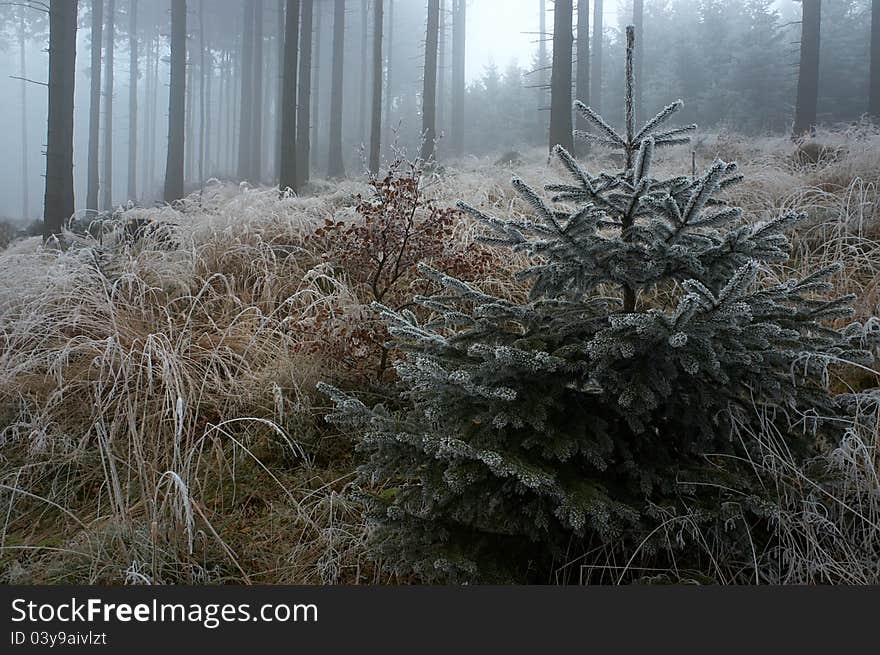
[{"x": 734, "y": 63}]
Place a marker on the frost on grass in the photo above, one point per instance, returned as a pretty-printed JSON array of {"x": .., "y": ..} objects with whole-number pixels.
[{"x": 158, "y": 421}]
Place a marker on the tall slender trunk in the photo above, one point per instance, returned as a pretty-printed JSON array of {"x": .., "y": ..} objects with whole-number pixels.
[
  {"x": 639, "y": 61},
  {"x": 389, "y": 58},
  {"x": 154, "y": 124},
  {"x": 246, "y": 122},
  {"x": 459, "y": 44},
  {"x": 132, "y": 99},
  {"x": 304, "y": 108},
  {"x": 429, "y": 88},
  {"x": 335, "y": 164},
  {"x": 110, "y": 35},
  {"x": 560, "y": 86},
  {"x": 189, "y": 128},
  {"x": 204, "y": 102},
  {"x": 583, "y": 66},
  {"x": 808, "y": 77},
  {"x": 288, "y": 176},
  {"x": 22, "y": 63},
  {"x": 237, "y": 123},
  {"x": 59, "y": 196},
  {"x": 176, "y": 104},
  {"x": 97, "y": 36},
  {"x": 277, "y": 143},
  {"x": 376, "y": 118},
  {"x": 257, "y": 72},
  {"x": 365, "y": 71},
  {"x": 596, "y": 58},
  {"x": 543, "y": 59},
  {"x": 874, "y": 101},
  {"x": 441, "y": 69},
  {"x": 316, "y": 85},
  {"x": 145, "y": 123}
]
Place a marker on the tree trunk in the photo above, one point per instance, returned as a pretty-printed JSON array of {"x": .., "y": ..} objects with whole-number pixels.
[
  {"x": 154, "y": 122},
  {"x": 316, "y": 84},
  {"x": 543, "y": 60},
  {"x": 560, "y": 86},
  {"x": 177, "y": 104},
  {"x": 389, "y": 66},
  {"x": 441, "y": 70},
  {"x": 808, "y": 77},
  {"x": 335, "y": 165},
  {"x": 639, "y": 61},
  {"x": 874, "y": 102},
  {"x": 132, "y": 99},
  {"x": 204, "y": 102},
  {"x": 288, "y": 177},
  {"x": 376, "y": 122},
  {"x": 59, "y": 198},
  {"x": 304, "y": 108},
  {"x": 110, "y": 34},
  {"x": 189, "y": 122},
  {"x": 459, "y": 41},
  {"x": 276, "y": 144},
  {"x": 147, "y": 119},
  {"x": 365, "y": 70},
  {"x": 246, "y": 119},
  {"x": 429, "y": 89},
  {"x": 257, "y": 72},
  {"x": 596, "y": 58},
  {"x": 97, "y": 36},
  {"x": 22, "y": 62},
  {"x": 583, "y": 67}
]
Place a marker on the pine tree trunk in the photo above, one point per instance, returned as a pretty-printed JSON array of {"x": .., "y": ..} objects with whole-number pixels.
[
  {"x": 583, "y": 68},
  {"x": 459, "y": 41},
  {"x": 596, "y": 58},
  {"x": 441, "y": 70},
  {"x": 376, "y": 122},
  {"x": 639, "y": 24},
  {"x": 204, "y": 102},
  {"x": 177, "y": 104},
  {"x": 316, "y": 85},
  {"x": 808, "y": 77},
  {"x": 288, "y": 176},
  {"x": 246, "y": 118},
  {"x": 22, "y": 62},
  {"x": 154, "y": 122},
  {"x": 277, "y": 142},
  {"x": 110, "y": 34},
  {"x": 335, "y": 164},
  {"x": 147, "y": 119},
  {"x": 429, "y": 89},
  {"x": 59, "y": 198},
  {"x": 874, "y": 102},
  {"x": 132, "y": 99},
  {"x": 97, "y": 36},
  {"x": 389, "y": 61},
  {"x": 560, "y": 86},
  {"x": 189, "y": 127},
  {"x": 257, "y": 72},
  {"x": 365, "y": 70},
  {"x": 304, "y": 108},
  {"x": 543, "y": 59}
]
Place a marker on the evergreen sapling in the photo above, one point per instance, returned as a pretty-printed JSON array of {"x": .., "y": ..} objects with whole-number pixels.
[{"x": 530, "y": 434}]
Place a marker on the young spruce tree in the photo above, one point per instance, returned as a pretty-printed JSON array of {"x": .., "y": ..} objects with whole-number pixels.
[{"x": 532, "y": 432}]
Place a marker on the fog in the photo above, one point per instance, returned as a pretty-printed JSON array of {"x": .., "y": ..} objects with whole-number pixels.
[{"x": 734, "y": 63}]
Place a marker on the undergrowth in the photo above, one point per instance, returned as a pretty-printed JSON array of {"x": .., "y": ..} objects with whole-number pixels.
[{"x": 157, "y": 416}]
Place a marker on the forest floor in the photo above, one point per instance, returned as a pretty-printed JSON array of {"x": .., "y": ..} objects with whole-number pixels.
[{"x": 158, "y": 415}]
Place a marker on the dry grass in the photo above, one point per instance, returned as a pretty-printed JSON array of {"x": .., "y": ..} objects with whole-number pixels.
[{"x": 157, "y": 418}]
